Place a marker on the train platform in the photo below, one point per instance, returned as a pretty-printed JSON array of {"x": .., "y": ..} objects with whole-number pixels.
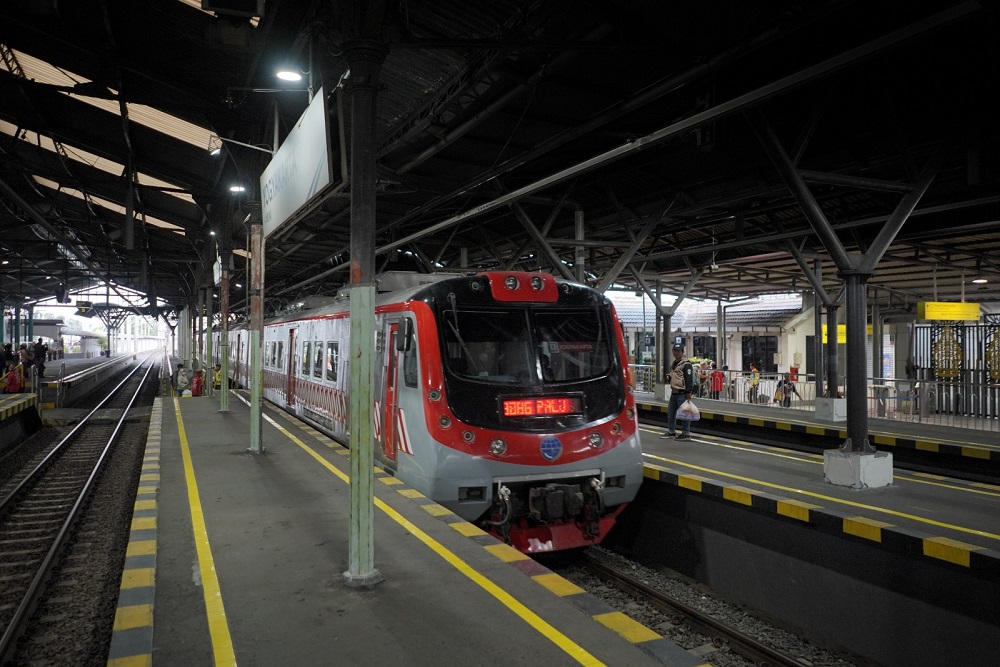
[
  {"x": 942, "y": 517},
  {"x": 972, "y": 439},
  {"x": 919, "y": 559},
  {"x": 239, "y": 557}
]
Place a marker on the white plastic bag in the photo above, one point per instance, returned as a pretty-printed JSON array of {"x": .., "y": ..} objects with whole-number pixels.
[{"x": 688, "y": 411}]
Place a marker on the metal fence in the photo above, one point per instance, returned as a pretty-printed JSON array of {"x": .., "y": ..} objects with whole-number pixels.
[{"x": 960, "y": 404}]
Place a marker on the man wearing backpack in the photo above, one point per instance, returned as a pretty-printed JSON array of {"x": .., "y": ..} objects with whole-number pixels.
[{"x": 681, "y": 386}]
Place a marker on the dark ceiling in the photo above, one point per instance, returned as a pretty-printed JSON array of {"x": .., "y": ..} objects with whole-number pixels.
[{"x": 502, "y": 127}]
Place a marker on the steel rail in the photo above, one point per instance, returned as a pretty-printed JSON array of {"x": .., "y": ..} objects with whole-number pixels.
[
  {"x": 749, "y": 648},
  {"x": 30, "y": 599}
]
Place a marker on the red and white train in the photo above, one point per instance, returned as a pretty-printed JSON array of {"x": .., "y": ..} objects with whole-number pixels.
[{"x": 503, "y": 396}]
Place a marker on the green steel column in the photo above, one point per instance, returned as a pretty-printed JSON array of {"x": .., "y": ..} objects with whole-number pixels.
[
  {"x": 256, "y": 377},
  {"x": 365, "y": 57},
  {"x": 209, "y": 352},
  {"x": 224, "y": 336}
]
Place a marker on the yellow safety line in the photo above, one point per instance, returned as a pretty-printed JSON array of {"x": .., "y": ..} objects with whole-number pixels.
[
  {"x": 552, "y": 634},
  {"x": 753, "y": 448},
  {"x": 832, "y": 499},
  {"x": 218, "y": 627}
]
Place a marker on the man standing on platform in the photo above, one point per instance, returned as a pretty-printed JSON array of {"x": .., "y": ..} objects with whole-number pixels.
[{"x": 681, "y": 386}]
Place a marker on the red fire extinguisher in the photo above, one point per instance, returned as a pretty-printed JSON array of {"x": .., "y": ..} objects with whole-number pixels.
[{"x": 197, "y": 382}]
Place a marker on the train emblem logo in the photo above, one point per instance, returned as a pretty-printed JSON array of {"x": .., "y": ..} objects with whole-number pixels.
[{"x": 551, "y": 448}]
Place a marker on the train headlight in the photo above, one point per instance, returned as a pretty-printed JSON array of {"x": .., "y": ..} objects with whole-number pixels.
[
  {"x": 498, "y": 447},
  {"x": 616, "y": 428},
  {"x": 511, "y": 282},
  {"x": 468, "y": 436},
  {"x": 444, "y": 421},
  {"x": 536, "y": 283},
  {"x": 435, "y": 395},
  {"x": 595, "y": 440},
  {"x": 630, "y": 413}
]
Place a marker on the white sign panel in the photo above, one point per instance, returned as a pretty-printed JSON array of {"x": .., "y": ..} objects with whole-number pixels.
[{"x": 300, "y": 170}]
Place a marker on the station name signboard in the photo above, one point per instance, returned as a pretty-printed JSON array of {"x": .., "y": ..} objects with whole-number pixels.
[
  {"x": 300, "y": 170},
  {"x": 842, "y": 333},
  {"x": 947, "y": 311}
]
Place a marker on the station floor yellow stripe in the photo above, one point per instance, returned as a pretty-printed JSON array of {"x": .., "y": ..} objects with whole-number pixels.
[
  {"x": 218, "y": 626},
  {"x": 832, "y": 499},
  {"x": 570, "y": 647}
]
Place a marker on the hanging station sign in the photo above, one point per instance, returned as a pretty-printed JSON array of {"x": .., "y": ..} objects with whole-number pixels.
[
  {"x": 951, "y": 312},
  {"x": 299, "y": 172}
]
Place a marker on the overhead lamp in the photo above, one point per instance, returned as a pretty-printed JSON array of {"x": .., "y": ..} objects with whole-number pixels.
[
  {"x": 980, "y": 281},
  {"x": 211, "y": 233},
  {"x": 237, "y": 188},
  {"x": 288, "y": 74}
]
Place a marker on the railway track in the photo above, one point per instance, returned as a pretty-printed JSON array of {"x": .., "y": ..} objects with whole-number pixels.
[
  {"x": 39, "y": 516},
  {"x": 720, "y": 633}
]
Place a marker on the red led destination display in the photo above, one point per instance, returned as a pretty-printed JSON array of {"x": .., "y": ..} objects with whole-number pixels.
[{"x": 541, "y": 407}]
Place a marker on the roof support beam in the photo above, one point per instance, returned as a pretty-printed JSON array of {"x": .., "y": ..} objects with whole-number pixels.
[
  {"x": 627, "y": 256},
  {"x": 734, "y": 105},
  {"x": 537, "y": 237}
]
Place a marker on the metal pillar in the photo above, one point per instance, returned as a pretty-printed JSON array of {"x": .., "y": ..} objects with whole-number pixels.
[
  {"x": 831, "y": 351},
  {"x": 876, "y": 338},
  {"x": 209, "y": 352},
  {"x": 857, "y": 384},
  {"x": 578, "y": 260},
  {"x": 720, "y": 330},
  {"x": 224, "y": 335},
  {"x": 255, "y": 377},
  {"x": 31, "y": 323},
  {"x": 818, "y": 326},
  {"x": 365, "y": 58}
]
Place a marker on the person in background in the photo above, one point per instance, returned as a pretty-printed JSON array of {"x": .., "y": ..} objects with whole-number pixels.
[
  {"x": 12, "y": 381},
  {"x": 783, "y": 391},
  {"x": 754, "y": 383},
  {"x": 681, "y": 387},
  {"x": 217, "y": 376},
  {"x": 715, "y": 382},
  {"x": 703, "y": 377},
  {"x": 180, "y": 379},
  {"x": 41, "y": 352}
]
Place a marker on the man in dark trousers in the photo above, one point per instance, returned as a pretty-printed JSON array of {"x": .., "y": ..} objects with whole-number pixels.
[
  {"x": 681, "y": 385},
  {"x": 41, "y": 351}
]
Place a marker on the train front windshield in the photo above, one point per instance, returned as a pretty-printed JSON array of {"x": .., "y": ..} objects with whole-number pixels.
[{"x": 525, "y": 347}]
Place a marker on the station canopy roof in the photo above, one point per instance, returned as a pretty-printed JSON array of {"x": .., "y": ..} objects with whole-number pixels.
[{"x": 504, "y": 129}]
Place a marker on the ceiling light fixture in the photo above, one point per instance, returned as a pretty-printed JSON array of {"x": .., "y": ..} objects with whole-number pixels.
[
  {"x": 287, "y": 74},
  {"x": 980, "y": 281},
  {"x": 237, "y": 188}
]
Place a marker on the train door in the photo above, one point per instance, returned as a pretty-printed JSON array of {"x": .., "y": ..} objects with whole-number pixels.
[
  {"x": 239, "y": 359},
  {"x": 292, "y": 370},
  {"x": 389, "y": 443}
]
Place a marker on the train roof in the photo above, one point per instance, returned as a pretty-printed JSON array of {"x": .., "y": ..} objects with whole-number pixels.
[{"x": 395, "y": 286}]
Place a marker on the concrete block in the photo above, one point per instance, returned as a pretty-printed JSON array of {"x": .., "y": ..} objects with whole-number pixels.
[
  {"x": 857, "y": 470},
  {"x": 831, "y": 409}
]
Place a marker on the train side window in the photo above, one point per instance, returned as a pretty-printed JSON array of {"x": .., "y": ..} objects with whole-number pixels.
[
  {"x": 306, "y": 357},
  {"x": 267, "y": 355},
  {"x": 332, "y": 359},
  {"x": 274, "y": 355},
  {"x": 318, "y": 360},
  {"x": 281, "y": 354},
  {"x": 410, "y": 364}
]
